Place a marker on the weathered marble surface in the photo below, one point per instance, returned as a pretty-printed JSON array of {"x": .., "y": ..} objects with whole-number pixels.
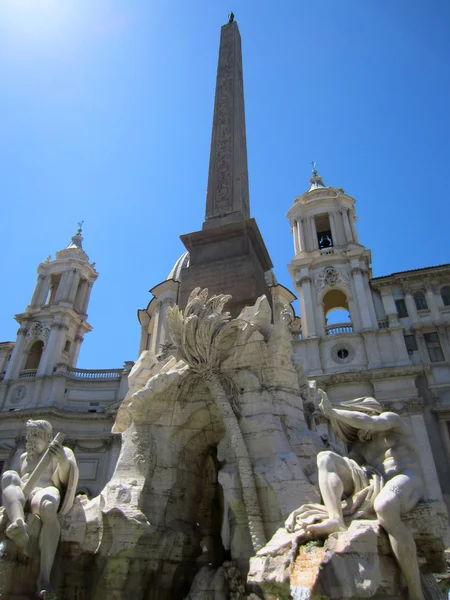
[
  {"x": 357, "y": 563},
  {"x": 176, "y": 500}
]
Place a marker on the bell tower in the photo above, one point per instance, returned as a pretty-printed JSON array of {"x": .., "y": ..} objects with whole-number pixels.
[
  {"x": 330, "y": 268},
  {"x": 53, "y": 325}
]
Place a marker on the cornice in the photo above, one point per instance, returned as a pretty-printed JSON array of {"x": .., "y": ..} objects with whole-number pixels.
[
  {"x": 368, "y": 374},
  {"x": 63, "y": 415}
]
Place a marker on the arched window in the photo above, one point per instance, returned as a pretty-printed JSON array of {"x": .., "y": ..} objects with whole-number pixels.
[
  {"x": 420, "y": 300},
  {"x": 34, "y": 355},
  {"x": 445, "y": 295},
  {"x": 336, "y": 309}
]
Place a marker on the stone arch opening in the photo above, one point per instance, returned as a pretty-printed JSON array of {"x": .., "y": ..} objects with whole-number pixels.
[
  {"x": 34, "y": 355},
  {"x": 191, "y": 511},
  {"x": 336, "y": 308}
]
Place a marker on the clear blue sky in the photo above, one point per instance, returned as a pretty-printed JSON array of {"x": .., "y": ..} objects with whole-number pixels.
[{"x": 106, "y": 116}]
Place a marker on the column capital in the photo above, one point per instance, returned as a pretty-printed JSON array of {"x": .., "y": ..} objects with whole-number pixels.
[
  {"x": 304, "y": 279},
  {"x": 430, "y": 287},
  {"x": 59, "y": 326}
]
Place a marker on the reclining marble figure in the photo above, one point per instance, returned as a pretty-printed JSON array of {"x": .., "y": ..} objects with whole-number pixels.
[
  {"x": 45, "y": 487},
  {"x": 382, "y": 476}
]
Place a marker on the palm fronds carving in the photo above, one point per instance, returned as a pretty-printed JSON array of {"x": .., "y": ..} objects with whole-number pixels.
[{"x": 204, "y": 336}]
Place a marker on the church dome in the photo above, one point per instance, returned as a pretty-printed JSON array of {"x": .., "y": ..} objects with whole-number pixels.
[
  {"x": 316, "y": 182},
  {"x": 181, "y": 263}
]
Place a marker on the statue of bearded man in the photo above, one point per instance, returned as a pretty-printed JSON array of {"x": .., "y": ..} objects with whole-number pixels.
[
  {"x": 382, "y": 477},
  {"x": 51, "y": 495}
]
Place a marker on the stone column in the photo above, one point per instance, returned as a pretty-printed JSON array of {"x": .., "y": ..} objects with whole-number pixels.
[
  {"x": 307, "y": 312},
  {"x": 315, "y": 241},
  {"x": 389, "y": 306},
  {"x": 12, "y": 371},
  {"x": 352, "y": 219},
  {"x": 444, "y": 343},
  {"x": 76, "y": 350},
  {"x": 37, "y": 291},
  {"x": 422, "y": 347},
  {"x": 80, "y": 295},
  {"x": 164, "y": 330},
  {"x": 44, "y": 290},
  {"x": 421, "y": 440},
  {"x": 432, "y": 301},
  {"x": 371, "y": 307},
  {"x": 73, "y": 286},
  {"x": 347, "y": 228},
  {"x": 361, "y": 298},
  {"x": 334, "y": 233},
  {"x": 52, "y": 349},
  {"x": 372, "y": 351},
  {"x": 398, "y": 342},
  {"x": 410, "y": 305},
  {"x": 63, "y": 287},
  {"x": 301, "y": 235},
  {"x": 156, "y": 327},
  {"x": 144, "y": 339},
  {"x": 295, "y": 234},
  {"x": 87, "y": 297}
]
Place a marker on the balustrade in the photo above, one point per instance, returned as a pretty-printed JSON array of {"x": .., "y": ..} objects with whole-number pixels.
[
  {"x": 28, "y": 374},
  {"x": 338, "y": 328},
  {"x": 383, "y": 323},
  {"x": 111, "y": 374}
]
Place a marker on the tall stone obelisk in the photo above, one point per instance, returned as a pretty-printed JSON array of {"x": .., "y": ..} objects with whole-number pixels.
[
  {"x": 227, "y": 198},
  {"x": 228, "y": 255}
]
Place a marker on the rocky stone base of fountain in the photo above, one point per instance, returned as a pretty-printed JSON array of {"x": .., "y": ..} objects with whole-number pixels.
[{"x": 351, "y": 565}]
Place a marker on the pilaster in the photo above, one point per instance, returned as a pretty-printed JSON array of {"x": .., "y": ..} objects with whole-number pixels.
[
  {"x": 334, "y": 233},
  {"x": 352, "y": 219},
  {"x": 295, "y": 235},
  {"x": 430, "y": 291},
  {"x": 389, "y": 306},
  {"x": 346, "y": 222},
  {"x": 361, "y": 298},
  {"x": 12, "y": 372},
  {"x": 306, "y": 312},
  {"x": 52, "y": 349}
]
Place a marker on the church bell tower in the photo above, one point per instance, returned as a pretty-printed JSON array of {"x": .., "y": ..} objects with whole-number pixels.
[
  {"x": 331, "y": 269},
  {"x": 53, "y": 325}
]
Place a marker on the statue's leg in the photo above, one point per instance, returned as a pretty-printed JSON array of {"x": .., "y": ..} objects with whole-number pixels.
[
  {"x": 398, "y": 497},
  {"x": 335, "y": 480},
  {"x": 45, "y": 504},
  {"x": 14, "y": 501}
]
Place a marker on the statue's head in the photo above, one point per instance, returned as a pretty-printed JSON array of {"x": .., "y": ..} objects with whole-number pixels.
[{"x": 38, "y": 436}]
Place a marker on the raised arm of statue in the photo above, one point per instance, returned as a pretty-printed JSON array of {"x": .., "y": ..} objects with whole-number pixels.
[{"x": 358, "y": 419}]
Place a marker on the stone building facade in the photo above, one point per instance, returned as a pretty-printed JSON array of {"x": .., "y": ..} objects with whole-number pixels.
[
  {"x": 394, "y": 341},
  {"x": 39, "y": 378},
  {"x": 394, "y": 345}
]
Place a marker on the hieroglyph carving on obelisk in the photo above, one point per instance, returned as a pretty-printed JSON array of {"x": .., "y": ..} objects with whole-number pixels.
[{"x": 227, "y": 196}]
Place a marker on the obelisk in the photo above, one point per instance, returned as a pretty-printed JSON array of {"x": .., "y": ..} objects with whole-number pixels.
[
  {"x": 227, "y": 198},
  {"x": 228, "y": 255}
]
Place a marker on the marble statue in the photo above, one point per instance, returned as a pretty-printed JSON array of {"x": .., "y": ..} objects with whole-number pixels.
[
  {"x": 45, "y": 487},
  {"x": 381, "y": 476}
]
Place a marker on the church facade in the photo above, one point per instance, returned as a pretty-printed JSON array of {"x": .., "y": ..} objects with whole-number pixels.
[{"x": 395, "y": 344}]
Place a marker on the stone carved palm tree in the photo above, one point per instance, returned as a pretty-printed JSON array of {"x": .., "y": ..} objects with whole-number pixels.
[{"x": 204, "y": 337}]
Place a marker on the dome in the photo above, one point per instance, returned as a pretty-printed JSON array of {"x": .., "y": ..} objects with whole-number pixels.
[
  {"x": 316, "y": 182},
  {"x": 181, "y": 263}
]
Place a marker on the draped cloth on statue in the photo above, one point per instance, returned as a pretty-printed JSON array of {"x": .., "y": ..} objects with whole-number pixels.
[
  {"x": 67, "y": 491},
  {"x": 367, "y": 481},
  {"x": 367, "y": 484}
]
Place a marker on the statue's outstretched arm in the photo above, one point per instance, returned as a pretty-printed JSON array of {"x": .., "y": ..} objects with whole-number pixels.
[{"x": 361, "y": 420}]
